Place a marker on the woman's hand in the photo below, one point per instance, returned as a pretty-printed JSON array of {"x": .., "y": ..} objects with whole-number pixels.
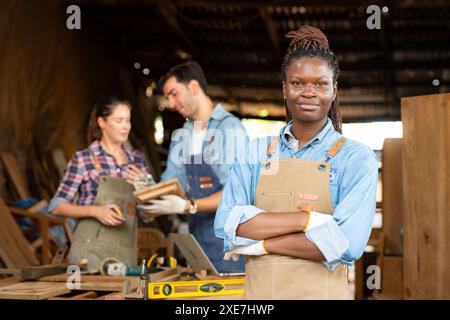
[
  {"x": 108, "y": 214},
  {"x": 133, "y": 173},
  {"x": 139, "y": 179}
]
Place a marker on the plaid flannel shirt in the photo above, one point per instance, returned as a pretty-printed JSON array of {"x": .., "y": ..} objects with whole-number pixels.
[{"x": 82, "y": 178}]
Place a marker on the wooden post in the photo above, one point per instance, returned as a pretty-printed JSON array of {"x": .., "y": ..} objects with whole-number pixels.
[
  {"x": 426, "y": 189},
  {"x": 391, "y": 176}
]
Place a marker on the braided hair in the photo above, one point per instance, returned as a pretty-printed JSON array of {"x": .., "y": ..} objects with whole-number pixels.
[{"x": 311, "y": 42}]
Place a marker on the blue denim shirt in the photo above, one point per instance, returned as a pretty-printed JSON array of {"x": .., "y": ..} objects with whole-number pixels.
[
  {"x": 225, "y": 136},
  {"x": 353, "y": 183}
]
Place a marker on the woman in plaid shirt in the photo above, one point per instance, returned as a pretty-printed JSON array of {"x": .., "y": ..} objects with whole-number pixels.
[{"x": 108, "y": 154}]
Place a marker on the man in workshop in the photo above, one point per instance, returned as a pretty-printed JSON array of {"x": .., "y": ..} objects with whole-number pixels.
[{"x": 200, "y": 155}]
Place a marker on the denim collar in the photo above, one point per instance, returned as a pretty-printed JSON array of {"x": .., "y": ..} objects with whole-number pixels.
[{"x": 288, "y": 138}]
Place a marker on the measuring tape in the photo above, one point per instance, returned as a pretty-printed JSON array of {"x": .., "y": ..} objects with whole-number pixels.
[{"x": 188, "y": 289}]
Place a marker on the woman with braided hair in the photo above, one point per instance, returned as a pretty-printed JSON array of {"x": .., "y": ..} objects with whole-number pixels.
[{"x": 301, "y": 206}]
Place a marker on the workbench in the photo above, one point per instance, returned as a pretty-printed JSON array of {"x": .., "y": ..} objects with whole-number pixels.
[{"x": 91, "y": 287}]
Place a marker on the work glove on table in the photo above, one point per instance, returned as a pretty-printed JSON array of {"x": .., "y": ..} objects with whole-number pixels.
[
  {"x": 256, "y": 249},
  {"x": 169, "y": 204}
]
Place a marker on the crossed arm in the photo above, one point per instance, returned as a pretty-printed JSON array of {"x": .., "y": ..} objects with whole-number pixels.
[{"x": 282, "y": 234}]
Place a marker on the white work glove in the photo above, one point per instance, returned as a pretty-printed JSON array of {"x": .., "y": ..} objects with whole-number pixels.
[
  {"x": 170, "y": 204},
  {"x": 317, "y": 219},
  {"x": 256, "y": 249}
]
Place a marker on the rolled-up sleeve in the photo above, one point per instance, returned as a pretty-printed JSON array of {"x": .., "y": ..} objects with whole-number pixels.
[
  {"x": 343, "y": 239},
  {"x": 237, "y": 203},
  {"x": 68, "y": 188}
]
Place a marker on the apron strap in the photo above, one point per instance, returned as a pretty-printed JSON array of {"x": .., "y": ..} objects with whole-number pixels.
[
  {"x": 272, "y": 147},
  {"x": 94, "y": 159},
  {"x": 331, "y": 153},
  {"x": 335, "y": 148}
]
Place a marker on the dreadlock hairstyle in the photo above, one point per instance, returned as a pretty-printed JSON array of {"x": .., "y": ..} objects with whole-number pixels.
[{"x": 311, "y": 42}]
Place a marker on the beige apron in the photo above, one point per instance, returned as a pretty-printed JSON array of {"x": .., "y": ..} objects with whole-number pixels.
[
  {"x": 95, "y": 241},
  {"x": 288, "y": 185}
]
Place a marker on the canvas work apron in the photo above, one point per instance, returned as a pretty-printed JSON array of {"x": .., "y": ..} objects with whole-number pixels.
[
  {"x": 289, "y": 185},
  {"x": 95, "y": 241},
  {"x": 204, "y": 182}
]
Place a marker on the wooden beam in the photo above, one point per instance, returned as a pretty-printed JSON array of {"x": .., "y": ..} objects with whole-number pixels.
[
  {"x": 270, "y": 26},
  {"x": 169, "y": 12}
]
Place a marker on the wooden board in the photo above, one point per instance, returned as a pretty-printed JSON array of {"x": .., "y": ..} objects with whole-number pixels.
[
  {"x": 9, "y": 281},
  {"x": 15, "y": 175},
  {"x": 391, "y": 176},
  {"x": 97, "y": 283},
  {"x": 15, "y": 251},
  {"x": 33, "y": 290},
  {"x": 426, "y": 190},
  {"x": 171, "y": 186},
  {"x": 392, "y": 277}
]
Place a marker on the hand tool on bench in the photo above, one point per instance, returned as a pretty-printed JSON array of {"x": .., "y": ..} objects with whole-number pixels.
[{"x": 190, "y": 289}]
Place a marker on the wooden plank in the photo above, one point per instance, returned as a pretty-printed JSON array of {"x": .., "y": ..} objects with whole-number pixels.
[
  {"x": 13, "y": 242},
  {"x": 9, "y": 281},
  {"x": 426, "y": 188},
  {"x": 85, "y": 278},
  {"x": 32, "y": 273},
  {"x": 392, "y": 277},
  {"x": 33, "y": 290},
  {"x": 97, "y": 283},
  {"x": 15, "y": 175},
  {"x": 163, "y": 275},
  {"x": 392, "y": 191},
  {"x": 171, "y": 186},
  {"x": 112, "y": 296}
]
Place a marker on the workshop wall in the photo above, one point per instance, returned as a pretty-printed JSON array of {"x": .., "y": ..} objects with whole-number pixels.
[{"x": 49, "y": 79}]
